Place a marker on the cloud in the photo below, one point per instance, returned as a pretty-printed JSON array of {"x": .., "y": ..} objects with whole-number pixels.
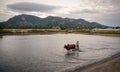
[
  {"x": 34, "y": 7},
  {"x": 106, "y": 11},
  {"x": 85, "y": 11}
]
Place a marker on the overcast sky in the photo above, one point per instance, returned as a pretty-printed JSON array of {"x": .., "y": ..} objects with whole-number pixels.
[{"x": 106, "y": 12}]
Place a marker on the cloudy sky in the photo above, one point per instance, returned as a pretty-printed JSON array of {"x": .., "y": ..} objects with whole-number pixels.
[{"x": 106, "y": 12}]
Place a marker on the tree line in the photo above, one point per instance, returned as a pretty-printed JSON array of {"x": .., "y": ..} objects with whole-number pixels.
[{"x": 46, "y": 26}]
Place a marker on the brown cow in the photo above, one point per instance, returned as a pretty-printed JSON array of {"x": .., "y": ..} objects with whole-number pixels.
[{"x": 69, "y": 46}]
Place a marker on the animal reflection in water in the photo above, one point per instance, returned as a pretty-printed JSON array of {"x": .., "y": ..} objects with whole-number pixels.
[
  {"x": 72, "y": 47},
  {"x": 72, "y": 53},
  {"x": 71, "y": 56}
]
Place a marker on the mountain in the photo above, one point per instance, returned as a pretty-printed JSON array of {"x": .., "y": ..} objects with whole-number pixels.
[
  {"x": 30, "y": 20},
  {"x": 24, "y": 19}
]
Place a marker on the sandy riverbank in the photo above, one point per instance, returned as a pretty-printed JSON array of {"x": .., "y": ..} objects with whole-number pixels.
[
  {"x": 107, "y": 31},
  {"x": 108, "y": 65}
]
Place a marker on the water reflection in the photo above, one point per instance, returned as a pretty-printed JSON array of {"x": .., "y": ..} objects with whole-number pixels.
[
  {"x": 70, "y": 55},
  {"x": 45, "y": 53},
  {"x": 1, "y": 36}
]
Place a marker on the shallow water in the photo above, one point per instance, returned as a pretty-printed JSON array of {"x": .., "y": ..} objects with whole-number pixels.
[{"x": 45, "y": 53}]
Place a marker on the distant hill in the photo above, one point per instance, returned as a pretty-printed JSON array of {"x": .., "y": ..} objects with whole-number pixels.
[{"x": 30, "y": 20}]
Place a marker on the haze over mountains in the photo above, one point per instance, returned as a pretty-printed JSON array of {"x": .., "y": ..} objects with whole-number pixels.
[{"x": 30, "y": 20}]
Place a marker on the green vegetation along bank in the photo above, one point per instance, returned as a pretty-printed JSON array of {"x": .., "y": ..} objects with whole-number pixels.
[{"x": 92, "y": 31}]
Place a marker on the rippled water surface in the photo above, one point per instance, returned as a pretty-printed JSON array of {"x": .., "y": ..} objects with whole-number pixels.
[{"x": 45, "y": 53}]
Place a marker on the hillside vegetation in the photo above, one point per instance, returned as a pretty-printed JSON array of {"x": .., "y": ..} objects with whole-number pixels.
[{"x": 50, "y": 22}]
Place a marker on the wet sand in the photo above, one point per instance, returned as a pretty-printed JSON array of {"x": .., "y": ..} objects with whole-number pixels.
[{"x": 111, "y": 64}]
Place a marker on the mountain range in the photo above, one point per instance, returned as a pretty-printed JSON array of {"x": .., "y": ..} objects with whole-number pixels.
[{"x": 31, "y": 20}]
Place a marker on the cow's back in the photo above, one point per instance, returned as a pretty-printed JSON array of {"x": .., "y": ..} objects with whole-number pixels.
[{"x": 69, "y": 46}]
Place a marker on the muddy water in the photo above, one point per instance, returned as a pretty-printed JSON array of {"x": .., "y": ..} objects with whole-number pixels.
[{"x": 45, "y": 53}]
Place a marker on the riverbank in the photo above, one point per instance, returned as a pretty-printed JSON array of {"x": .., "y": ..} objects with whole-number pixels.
[
  {"x": 43, "y": 31},
  {"x": 106, "y": 31},
  {"x": 91, "y": 31},
  {"x": 103, "y": 32},
  {"x": 111, "y": 64}
]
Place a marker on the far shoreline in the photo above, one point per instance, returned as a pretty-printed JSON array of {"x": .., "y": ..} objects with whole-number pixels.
[
  {"x": 42, "y": 33},
  {"x": 96, "y": 31}
]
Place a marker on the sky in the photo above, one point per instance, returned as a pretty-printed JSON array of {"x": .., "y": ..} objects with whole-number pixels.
[{"x": 106, "y": 12}]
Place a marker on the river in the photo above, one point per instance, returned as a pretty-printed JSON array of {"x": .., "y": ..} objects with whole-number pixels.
[{"x": 46, "y": 53}]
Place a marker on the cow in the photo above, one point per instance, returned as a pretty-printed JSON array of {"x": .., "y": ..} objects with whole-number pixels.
[{"x": 69, "y": 47}]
